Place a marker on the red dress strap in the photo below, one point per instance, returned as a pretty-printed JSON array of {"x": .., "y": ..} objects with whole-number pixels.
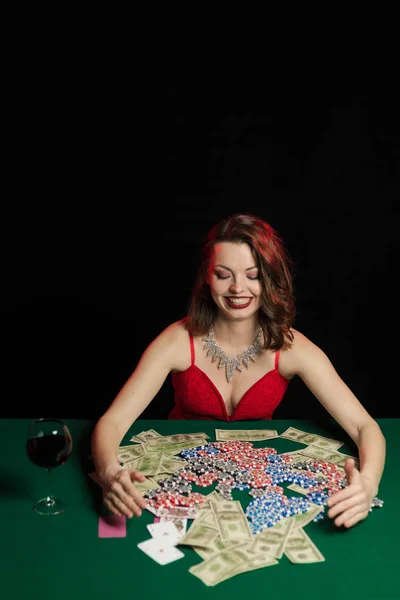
[
  {"x": 277, "y": 353},
  {"x": 191, "y": 348}
]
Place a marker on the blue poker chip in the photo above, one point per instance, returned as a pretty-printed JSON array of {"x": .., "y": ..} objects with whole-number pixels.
[
  {"x": 318, "y": 517},
  {"x": 242, "y": 486}
]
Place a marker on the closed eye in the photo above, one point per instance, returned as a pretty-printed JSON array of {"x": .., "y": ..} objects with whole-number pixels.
[{"x": 252, "y": 278}]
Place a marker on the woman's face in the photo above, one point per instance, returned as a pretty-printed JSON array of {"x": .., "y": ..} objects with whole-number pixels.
[{"x": 234, "y": 281}]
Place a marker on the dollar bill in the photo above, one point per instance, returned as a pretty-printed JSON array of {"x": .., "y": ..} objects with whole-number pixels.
[
  {"x": 296, "y": 435},
  {"x": 300, "y": 549},
  {"x": 148, "y": 464},
  {"x": 171, "y": 465},
  {"x": 250, "y": 562},
  {"x": 231, "y": 520},
  {"x": 147, "y": 484},
  {"x": 216, "y": 568},
  {"x": 174, "y": 448},
  {"x": 335, "y": 458},
  {"x": 295, "y": 456},
  {"x": 302, "y": 519},
  {"x": 297, "y": 488},
  {"x": 205, "y": 506},
  {"x": 249, "y": 435},
  {"x": 144, "y": 436},
  {"x": 199, "y": 535},
  {"x": 179, "y": 438},
  {"x": 272, "y": 540},
  {"x": 257, "y": 562},
  {"x": 128, "y": 453},
  {"x": 213, "y": 548},
  {"x": 207, "y": 517},
  {"x": 229, "y": 562}
]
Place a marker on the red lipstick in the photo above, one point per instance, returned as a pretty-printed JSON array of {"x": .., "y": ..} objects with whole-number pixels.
[{"x": 242, "y": 305}]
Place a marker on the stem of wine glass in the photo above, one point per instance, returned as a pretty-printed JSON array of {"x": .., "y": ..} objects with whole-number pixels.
[{"x": 50, "y": 495}]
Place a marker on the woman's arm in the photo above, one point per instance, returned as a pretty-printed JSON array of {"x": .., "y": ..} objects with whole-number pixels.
[
  {"x": 316, "y": 370},
  {"x": 120, "y": 495}
]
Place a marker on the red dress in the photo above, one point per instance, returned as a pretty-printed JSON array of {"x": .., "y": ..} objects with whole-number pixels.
[{"x": 196, "y": 396}]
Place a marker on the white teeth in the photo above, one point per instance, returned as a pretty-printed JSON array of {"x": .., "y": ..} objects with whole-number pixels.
[{"x": 239, "y": 300}]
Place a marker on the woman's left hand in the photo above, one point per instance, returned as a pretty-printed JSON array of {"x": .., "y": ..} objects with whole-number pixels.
[{"x": 352, "y": 504}]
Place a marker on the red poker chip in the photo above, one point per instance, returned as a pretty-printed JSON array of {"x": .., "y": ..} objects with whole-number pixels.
[
  {"x": 275, "y": 488},
  {"x": 197, "y": 498},
  {"x": 188, "y": 476}
]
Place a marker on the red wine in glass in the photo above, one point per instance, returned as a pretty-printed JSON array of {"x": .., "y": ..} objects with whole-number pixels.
[{"x": 49, "y": 445}]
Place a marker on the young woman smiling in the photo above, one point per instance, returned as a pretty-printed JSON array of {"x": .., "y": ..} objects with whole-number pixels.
[{"x": 232, "y": 358}]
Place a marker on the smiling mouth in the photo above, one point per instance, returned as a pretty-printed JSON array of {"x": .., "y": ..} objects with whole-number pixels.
[{"x": 237, "y": 302}]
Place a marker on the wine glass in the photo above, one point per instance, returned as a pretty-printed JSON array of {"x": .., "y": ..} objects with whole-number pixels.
[{"x": 49, "y": 445}]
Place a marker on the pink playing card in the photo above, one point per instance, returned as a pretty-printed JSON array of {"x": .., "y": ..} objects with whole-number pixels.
[{"x": 111, "y": 526}]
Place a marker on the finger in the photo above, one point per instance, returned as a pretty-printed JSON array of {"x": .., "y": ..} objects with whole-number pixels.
[
  {"x": 137, "y": 475},
  {"x": 116, "y": 506},
  {"x": 131, "y": 500},
  {"x": 133, "y": 503},
  {"x": 124, "y": 503},
  {"x": 111, "y": 507},
  {"x": 339, "y": 496},
  {"x": 350, "y": 522},
  {"x": 131, "y": 490},
  {"x": 340, "y": 507},
  {"x": 348, "y": 515}
]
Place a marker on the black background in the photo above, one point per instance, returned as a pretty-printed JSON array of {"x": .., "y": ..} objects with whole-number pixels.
[{"x": 115, "y": 189}]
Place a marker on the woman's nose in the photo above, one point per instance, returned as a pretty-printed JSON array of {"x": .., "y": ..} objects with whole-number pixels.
[{"x": 236, "y": 287}]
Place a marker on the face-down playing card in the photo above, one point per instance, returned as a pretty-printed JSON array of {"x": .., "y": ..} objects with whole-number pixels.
[{"x": 112, "y": 526}]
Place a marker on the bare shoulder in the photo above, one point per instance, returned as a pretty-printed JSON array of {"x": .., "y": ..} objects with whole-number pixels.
[
  {"x": 173, "y": 343},
  {"x": 175, "y": 333},
  {"x": 303, "y": 353}
]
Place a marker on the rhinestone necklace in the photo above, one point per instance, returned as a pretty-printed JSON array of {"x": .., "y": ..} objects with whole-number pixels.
[{"x": 231, "y": 364}]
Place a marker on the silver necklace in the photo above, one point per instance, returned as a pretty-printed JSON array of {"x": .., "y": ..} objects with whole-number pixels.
[{"x": 231, "y": 364}]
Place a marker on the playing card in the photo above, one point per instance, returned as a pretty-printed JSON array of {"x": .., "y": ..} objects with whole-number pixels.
[
  {"x": 183, "y": 512},
  {"x": 160, "y": 551},
  {"x": 165, "y": 531},
  {"x": 180, "y": 524},
  {"x": 111, "y": 526},
  {"x": 151, "y": 508}
]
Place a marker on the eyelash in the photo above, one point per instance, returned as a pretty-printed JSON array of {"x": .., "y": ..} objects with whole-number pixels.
[{"x": 220, "y": 277}]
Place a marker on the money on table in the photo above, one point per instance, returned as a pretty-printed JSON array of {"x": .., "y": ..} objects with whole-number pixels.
[{"x": 229, "y": 539}]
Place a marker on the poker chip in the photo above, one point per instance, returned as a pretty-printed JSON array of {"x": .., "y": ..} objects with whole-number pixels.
[
  {"x": 377, "y": 503},
  {"x": 241, "y": 486},
  {"x": 256, "y": 493},
  {"x": 226, "y": 496}
]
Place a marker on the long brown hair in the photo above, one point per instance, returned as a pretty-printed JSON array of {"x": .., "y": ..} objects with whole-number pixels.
[{"x": 277, "y": 310}]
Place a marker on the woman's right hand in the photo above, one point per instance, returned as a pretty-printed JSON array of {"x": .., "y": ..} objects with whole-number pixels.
[{"x": 120, "y": 495}]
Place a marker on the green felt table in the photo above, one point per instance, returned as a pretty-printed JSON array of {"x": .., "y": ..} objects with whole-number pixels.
[{"x": 62, "y": 556}]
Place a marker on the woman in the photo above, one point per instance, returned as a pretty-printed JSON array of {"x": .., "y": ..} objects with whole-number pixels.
[{"x": 232, "y": 358}]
